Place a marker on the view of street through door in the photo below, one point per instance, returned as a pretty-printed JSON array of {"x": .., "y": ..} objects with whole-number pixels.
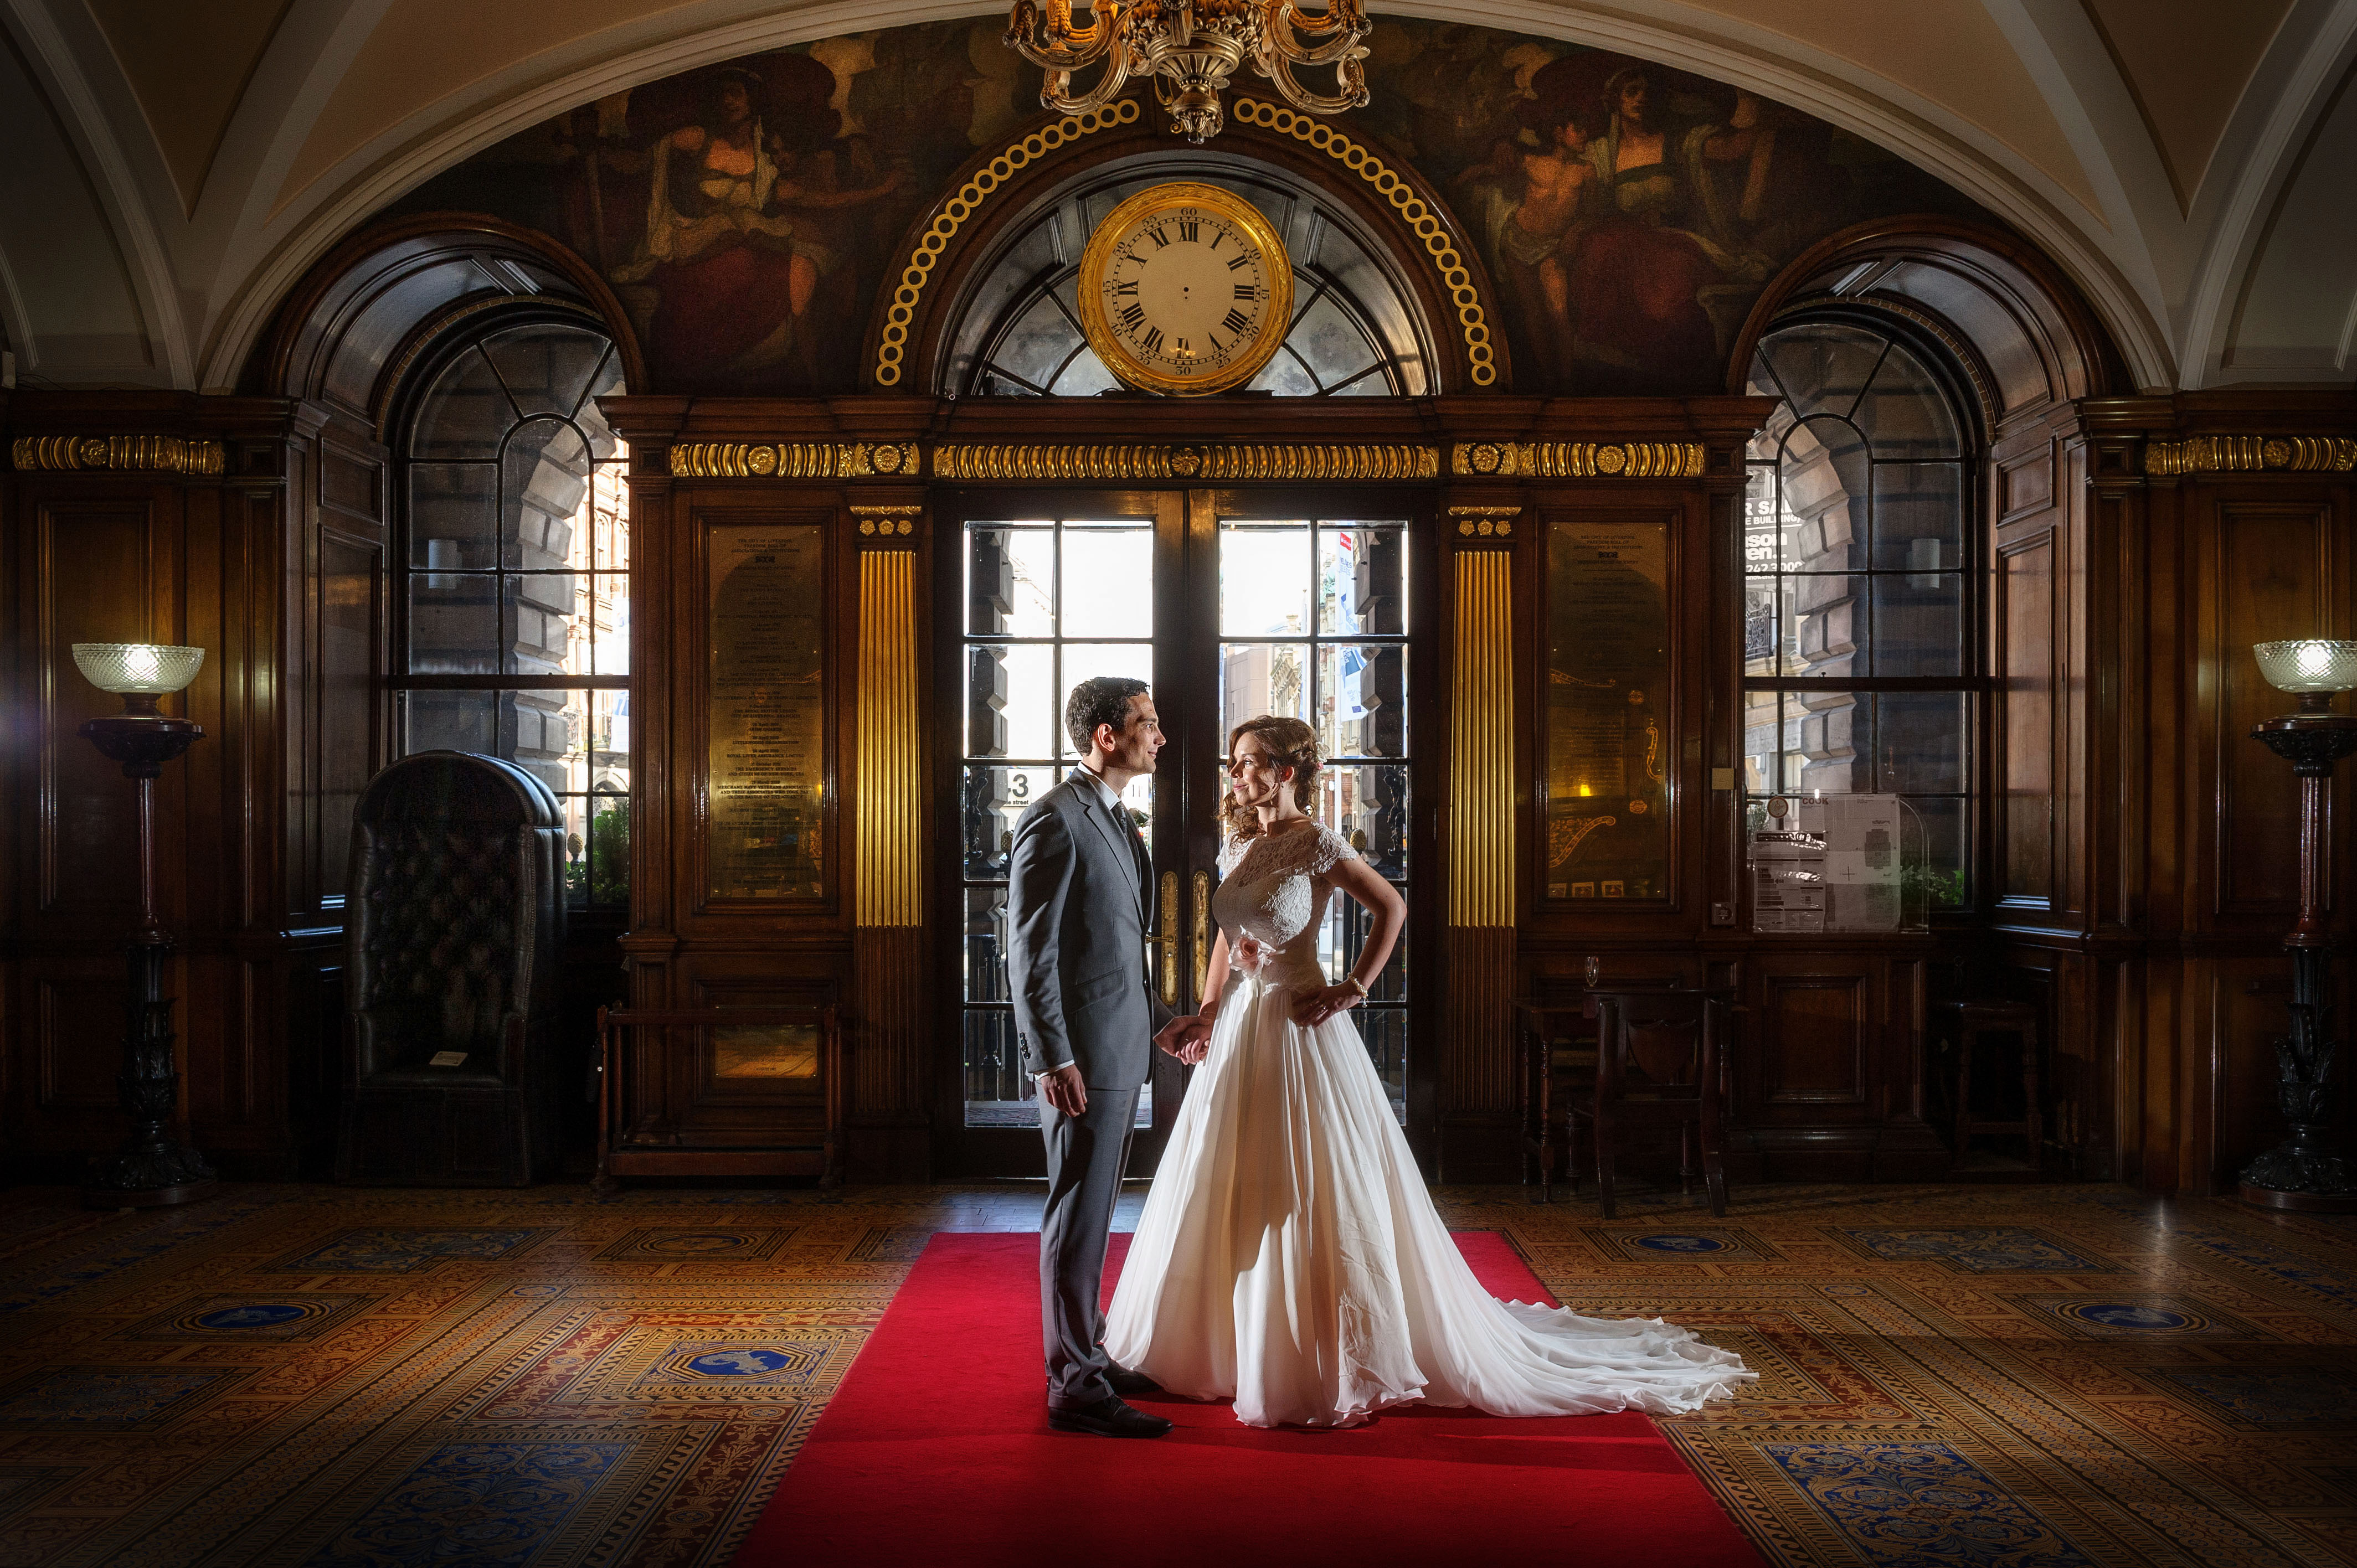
[{"x": 1230, "y": 605}]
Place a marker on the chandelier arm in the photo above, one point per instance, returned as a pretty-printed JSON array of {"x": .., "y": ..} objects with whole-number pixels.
[
  {"x": 1055, "y": 92},
  {"x": 1056, "y": 45},
  {"x": 1337, "y": 16},
  {"x": 1349, "y": 78}
]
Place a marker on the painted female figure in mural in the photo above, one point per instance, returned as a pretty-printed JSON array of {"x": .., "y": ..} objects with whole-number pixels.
[
  {"x": 731, "y": 269},
  {"x": 1640, "y": 286}
]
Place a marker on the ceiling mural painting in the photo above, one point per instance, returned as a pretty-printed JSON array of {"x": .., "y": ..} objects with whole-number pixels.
[{"x": 745, "y": 213}]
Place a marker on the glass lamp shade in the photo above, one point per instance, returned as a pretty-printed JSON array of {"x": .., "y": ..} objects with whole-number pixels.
[
  {"x": 130, "y": 669},
  {"x": 2310, "y": 664}
]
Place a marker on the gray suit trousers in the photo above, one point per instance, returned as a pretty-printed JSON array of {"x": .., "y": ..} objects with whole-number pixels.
[{"x": 1085, "y": 1156}]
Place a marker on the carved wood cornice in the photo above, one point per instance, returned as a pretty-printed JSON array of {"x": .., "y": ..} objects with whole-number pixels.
[
  {"x": 2248, "y": 454},
  {"x": 794, "y": 460},
  {"x": 126, "y": 453},
  {"x": 1578, "y": 459},
  {"x": 1189, "y": 461}
]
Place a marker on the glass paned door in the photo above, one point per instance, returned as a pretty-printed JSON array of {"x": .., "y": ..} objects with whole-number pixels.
[
  {"x": 1229, "y": 605},
  {"x": 1049, "y": 602},
  {"x": 1313, "y": 626}
]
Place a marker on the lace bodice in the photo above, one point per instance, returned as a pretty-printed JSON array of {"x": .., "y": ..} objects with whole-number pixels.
[{"x": 1273, "y": 892}]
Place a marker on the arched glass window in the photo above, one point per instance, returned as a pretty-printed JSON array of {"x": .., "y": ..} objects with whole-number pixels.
[
  {"x": 514, "y": 593},
  {"x": 1354, "y": 333},
  {"x": 1860, "y": 666}
]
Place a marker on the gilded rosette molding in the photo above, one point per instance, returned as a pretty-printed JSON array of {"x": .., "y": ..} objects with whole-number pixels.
[
  {"x": 892, "y": 347},
  {"x": 2243, "y": 453},
  {"x": 794, "y": 460},
  {"x": 135, "y": 454},
  {"x": 1482, "y": 743},
  {"x": 1578, "y": 459},
  {"x": 1483, "y": 521},
  {"x": 1456, "y": 278},
  {"x": 887, "y": 521},
  {"x": 1300, "y": 460},
  {"x": 891, "y": 767}
]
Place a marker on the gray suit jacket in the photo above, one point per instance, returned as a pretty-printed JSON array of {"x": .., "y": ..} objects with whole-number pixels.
[{"x": 1078, "y": 904}]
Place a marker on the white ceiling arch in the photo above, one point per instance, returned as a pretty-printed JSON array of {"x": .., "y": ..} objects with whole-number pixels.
[{"x": 2024, "y": 105}]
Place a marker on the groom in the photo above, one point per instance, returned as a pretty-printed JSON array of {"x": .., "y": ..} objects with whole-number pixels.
[{"x": 1080, "y": 889}]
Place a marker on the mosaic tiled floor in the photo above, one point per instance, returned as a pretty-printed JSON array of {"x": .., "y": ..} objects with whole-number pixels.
[{"x": 1992, "y": 1377}]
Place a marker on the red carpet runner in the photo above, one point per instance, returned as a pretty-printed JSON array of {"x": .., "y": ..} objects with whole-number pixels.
[{"x": 937, "y": 1451}]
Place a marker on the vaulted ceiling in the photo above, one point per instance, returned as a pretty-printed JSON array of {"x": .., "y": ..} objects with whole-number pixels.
[{"x": 171, "y": 170}]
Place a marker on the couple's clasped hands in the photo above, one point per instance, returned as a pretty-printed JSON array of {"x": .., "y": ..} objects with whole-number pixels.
[{"x": 1187, "y": 1037}]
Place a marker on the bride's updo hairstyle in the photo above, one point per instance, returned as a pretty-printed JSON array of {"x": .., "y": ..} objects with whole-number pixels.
[{"x": 1289, "y": 743}]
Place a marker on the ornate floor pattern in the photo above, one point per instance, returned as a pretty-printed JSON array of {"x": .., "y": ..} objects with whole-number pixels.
[{"x": 315, "y": 1378}]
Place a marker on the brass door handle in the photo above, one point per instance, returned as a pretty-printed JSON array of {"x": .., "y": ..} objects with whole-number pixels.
[
  {"x": 1202, "y": 930},
  {"x": 1171, "y": 939}
]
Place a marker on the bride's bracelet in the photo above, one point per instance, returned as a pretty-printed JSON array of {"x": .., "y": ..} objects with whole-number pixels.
[{"x": 1355, "y": 984}]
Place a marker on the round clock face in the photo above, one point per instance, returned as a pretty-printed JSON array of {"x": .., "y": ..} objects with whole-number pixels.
[{"x": 1185, "y": 288}]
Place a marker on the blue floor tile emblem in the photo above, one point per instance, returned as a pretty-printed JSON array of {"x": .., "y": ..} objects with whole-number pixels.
[
  {"x": 254, "y": 1314},
  {"x": 739, "y": 1363},
  {"x": 2129, "y": 1314},
  {"x": 1682, "y": 1244}
]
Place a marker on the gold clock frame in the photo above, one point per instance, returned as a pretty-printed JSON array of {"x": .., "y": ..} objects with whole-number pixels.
[{"x": 1169, "y": 197}]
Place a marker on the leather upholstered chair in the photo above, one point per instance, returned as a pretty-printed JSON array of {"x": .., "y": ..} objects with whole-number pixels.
[{"x": 455, "y": 928}]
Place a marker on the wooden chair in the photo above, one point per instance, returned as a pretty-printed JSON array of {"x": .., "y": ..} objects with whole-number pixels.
[
  {"x": 1660, "y": 1056},
  {"x": 1972, "y": 1021},
  {"x": 1556, "y": 1045},
  {"x": 1552, "y": 1034}
]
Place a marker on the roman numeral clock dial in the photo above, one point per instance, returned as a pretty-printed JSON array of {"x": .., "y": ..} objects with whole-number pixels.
[{"x": 1185, "y": 289}]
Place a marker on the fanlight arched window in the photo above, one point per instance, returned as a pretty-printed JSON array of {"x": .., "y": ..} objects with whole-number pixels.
[
  {"x": 513, "y": 596},
  {"x": 1861, "y": 668},
  {"x": 1355, "y": 331}
]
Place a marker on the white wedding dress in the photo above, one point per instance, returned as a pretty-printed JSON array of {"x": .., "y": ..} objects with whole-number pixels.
[{"x": 1289, "y": 1257}]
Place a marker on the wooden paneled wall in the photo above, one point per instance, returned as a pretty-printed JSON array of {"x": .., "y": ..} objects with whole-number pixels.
[
  {"x": 2148, "y": 844},
  {"x": 251, "y": 537},
  {"x": 2138, "y": 842}
]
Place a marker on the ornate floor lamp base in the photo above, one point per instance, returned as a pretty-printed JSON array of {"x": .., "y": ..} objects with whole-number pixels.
[
  {"x": 2306, "y": 1202},
  {"x": 148, "y": 1197}
]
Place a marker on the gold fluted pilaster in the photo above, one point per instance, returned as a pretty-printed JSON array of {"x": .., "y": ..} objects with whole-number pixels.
[
  {"x": 1477, "y": 946},
  {"x": 1482, "y": 743},
  {"x": 890, "y": 765}
]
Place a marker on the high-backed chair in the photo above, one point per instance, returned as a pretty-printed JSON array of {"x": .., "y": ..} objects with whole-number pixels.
[
  {"x": 454, "y": 930},
  {"x": 1658, "y": 1065}
]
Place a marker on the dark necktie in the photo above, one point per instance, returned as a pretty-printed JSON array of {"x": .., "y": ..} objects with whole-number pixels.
[{"x": 1128, "y": 830}]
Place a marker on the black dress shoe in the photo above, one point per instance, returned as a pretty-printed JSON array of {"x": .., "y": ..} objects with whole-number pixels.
[
  {"x": 1108, "y": 1417},
  {"x": 1129, "y": 1384}
]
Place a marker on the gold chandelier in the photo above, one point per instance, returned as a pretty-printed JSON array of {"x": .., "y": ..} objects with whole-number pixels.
[{"x": 1190, "y": 49}]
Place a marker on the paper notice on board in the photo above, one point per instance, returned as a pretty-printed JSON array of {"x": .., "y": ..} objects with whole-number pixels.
[
  {"x": 1861, "y": 861},
  {"x": 1788, "y": 885},
  {"x": 1830, "y": 864}
]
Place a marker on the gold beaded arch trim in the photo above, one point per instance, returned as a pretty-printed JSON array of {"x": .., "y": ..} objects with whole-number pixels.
[
  {"x": 1413, "y": 210},
  {"x": 1472, "y": 320},
  {"x": 968, "y": 201}
]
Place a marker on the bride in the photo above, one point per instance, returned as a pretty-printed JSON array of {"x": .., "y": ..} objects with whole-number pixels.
[{"x": 1288, "y": 1256}]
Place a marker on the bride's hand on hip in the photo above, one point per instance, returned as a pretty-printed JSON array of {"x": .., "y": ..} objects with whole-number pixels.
[{"x": 1311, "y": 1008}]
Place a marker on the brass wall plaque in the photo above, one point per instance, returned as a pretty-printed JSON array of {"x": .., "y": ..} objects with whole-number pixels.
[
  {"x": 765, "y": 1051},
  {"x": 766, "y": 759},
  {"x": 1609, "y": 737}
]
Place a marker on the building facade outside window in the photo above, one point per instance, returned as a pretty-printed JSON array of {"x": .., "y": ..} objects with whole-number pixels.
[
  {"x": 514, "y": 588},
  {"x": 1863, "y": 664}
]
